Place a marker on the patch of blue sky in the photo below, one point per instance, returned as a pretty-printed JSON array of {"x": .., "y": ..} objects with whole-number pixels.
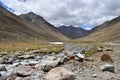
[
  {"x": 5, "y": 6},
  {"x": 87, "y": 27}
]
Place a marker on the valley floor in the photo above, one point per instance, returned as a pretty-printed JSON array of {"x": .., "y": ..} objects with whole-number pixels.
[{"x": 33, "y": 65}]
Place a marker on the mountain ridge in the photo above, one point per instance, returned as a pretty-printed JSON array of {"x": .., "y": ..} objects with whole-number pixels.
[
  {"x": 72, "y": 32},
  {"x": 14, "y": 28},
  {"x": 40, "y": 22},
  {"x": 108, "y": 31}
]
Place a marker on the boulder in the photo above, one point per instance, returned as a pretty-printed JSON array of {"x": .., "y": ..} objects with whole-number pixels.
[
  {"x": 47, "y": 65},
  {"x": 108, "y": 67},
  {"x": 79, "y": 57},
  {"x": 59, "y": 73},
  {"x": 68, "y": 54},
  {"x": 106, "y": 57},
  {"x": 23, "y": 71}
]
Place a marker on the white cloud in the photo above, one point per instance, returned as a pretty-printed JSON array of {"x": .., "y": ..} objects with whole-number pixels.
[
  {"x": 87, "y": 28},
  {"x": 69, "y": 12}
]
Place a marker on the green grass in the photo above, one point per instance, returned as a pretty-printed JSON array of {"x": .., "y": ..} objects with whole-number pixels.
[
  {"x": 93, "y": 44},
  {"x": 29, "y": 46},
  {"x": 88, "y": 53}
]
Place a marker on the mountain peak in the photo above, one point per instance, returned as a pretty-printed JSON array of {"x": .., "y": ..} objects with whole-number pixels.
[
  {"x": 66, "y": 26},
  {"x": 31, "y": 13},
  {"x": 32, "y": 17},
  {"x": 42, "y": 24}
]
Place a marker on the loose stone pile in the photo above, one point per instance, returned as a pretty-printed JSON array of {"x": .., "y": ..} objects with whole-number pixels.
[{"x": 65, "y": 65}]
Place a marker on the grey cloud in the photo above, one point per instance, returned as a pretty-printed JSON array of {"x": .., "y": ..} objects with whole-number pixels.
[
  {"x": 69, "y": 12},
  {"x": 61, "y": 13}
]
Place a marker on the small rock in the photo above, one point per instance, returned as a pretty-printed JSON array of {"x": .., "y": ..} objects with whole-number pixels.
[
  {"x": 80, "y": 56},
  {"x": 59, "y": 73},
  {"x": 26, "y": 57},
  {"x": 68, "y": 54},
  {"x": 108, "y": 67},
  {"x": 63, "y": 60},
  {"x": 108, "y": 49},
  {"x": 32, "y": 63},
  {"x": 94, "y": 66},
  {"x": 89, "y": 59},
  {"x": 51, "y": 58},
  {"x": 82, "y": 52},
  {"x": 94, "y": 75},
  {"x": 99, "y": 49}
]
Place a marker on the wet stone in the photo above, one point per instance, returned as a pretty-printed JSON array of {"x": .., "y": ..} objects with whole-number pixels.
[{"x": 23, "y": 71}]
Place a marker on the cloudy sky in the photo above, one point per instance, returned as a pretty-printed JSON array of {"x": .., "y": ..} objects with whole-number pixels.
[{"x": 79, "y": 13}]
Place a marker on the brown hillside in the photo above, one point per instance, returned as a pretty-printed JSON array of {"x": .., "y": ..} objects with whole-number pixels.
[
  {"x": 14, "y": 28},
  {"x": 108, "y": 31}
]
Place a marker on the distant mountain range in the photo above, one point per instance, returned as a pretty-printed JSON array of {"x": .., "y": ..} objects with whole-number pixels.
[
  {"x": 32, "y": 27},
  {"x": 72, "y": 32},
  {"x": 108, "y": 31}
]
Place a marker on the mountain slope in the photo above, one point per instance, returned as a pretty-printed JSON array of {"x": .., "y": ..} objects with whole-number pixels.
[
  {"x": 14, "y": 28},
  {"x": 108, "y": 31},
  {"x": 41, "y": 23},
  {"x": 72, "y": 32}
]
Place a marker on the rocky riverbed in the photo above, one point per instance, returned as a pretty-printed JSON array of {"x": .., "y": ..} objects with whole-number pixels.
[{"x": 32, "y": 65}]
